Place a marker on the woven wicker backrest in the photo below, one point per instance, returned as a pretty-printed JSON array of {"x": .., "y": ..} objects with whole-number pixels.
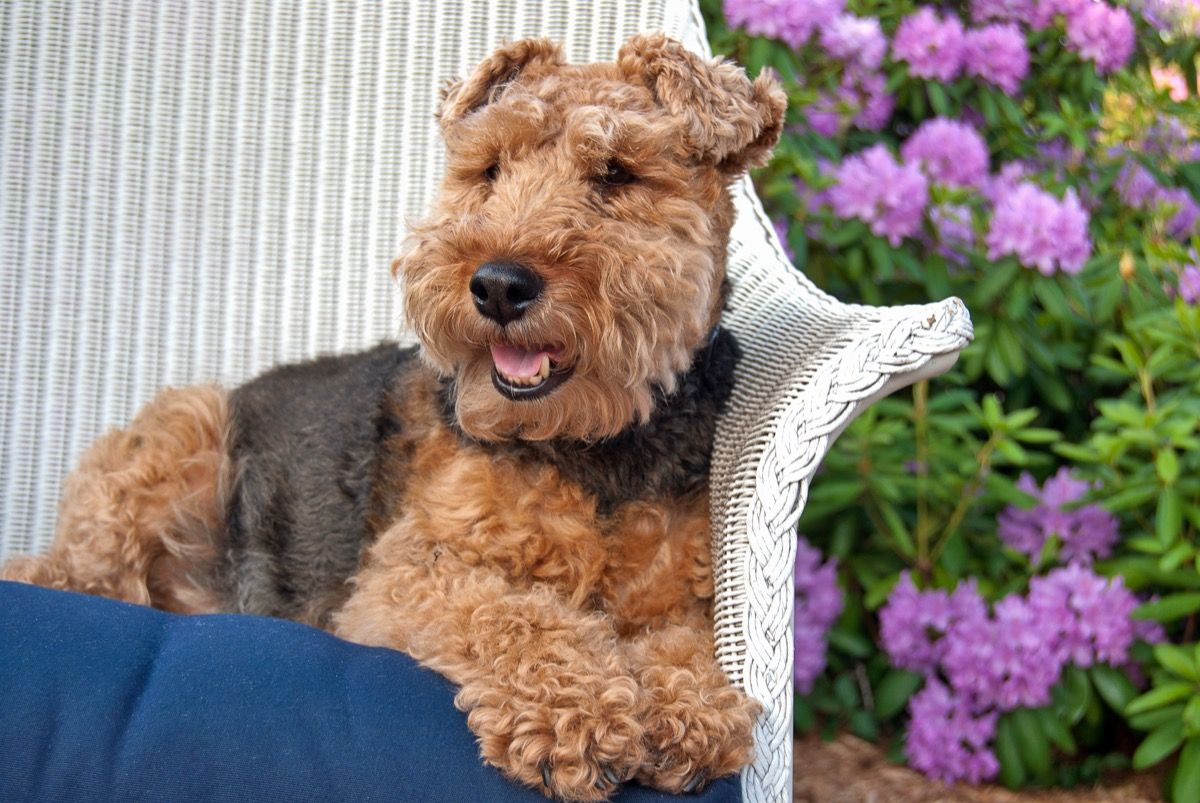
[{"x": 195, "y": 191}]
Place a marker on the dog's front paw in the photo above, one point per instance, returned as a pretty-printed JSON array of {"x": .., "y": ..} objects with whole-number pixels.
[
  {"x": 697, "y": 730},
  {"x": 577, "y": 739}
]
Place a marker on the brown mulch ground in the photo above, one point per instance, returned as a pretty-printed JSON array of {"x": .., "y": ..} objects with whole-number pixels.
[{"x": 849, "y": 770}]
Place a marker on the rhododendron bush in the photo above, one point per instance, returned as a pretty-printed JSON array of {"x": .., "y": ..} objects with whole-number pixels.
[{"x": 999, "y": 577}]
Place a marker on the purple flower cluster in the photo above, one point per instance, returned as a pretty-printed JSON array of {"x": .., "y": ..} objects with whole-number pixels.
[
  {"x": 951, "y": 152},
  {"x": 955, "y": 234},
  {"x": 1037, "y": 14},
  {"x": 932, "y": 45},
  {"x": 1170, "y": 138},
  {"x": 781, "y": 231},
  {"x": 818, "y": 605},
  {"x": 1039, "y": 230},
  {"x": 1086, "y": 532},
  {"x": 979, "y": 665},
  {"x": 1099, "y": 32},
  {"x": 1095, "y": 30},
  {"x": 861, "y": 97},
  {"x": 1189, "y": 284},
  {"x": 789, "y": 21},
  {"x": 1171, "y": 17},
  {"x": 947, "y": 739},
  {"x": 857, "y": 41},
  {"x": 998, "y": 55},
  {"x": 1138, "y": 189},
  {"x": 887, "y": 195},
  {"x": 913, "y": 624},
  {"x": 939, "y": 48}
]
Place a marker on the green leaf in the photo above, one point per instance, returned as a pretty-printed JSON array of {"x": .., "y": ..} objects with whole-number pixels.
[
  {"x": 881, "y": 257},
  {"x": 1078, "y": 693},
  {"x": 1176, "y": 660},
  {"x": 1037, "y": 435},
  {"x": 996, "y": 281},
  {"x": 1159, "y": 696},
  {"x": 1131, "y": 497},
  {"x": 1167, "y": 465},
  {"x": 854, "y": 644},
  {"x": 805, "y": 717},
  {"x": 1012, "y": 770},
  {"x": 1113, "y": 686},
  {"x": 896, "y": 525},
  {"x": 1186, "y": 787},
  {"x": 1168, "y": 518},
  {"x": 1152, "y": 719},
  {"x": 993, "y": 415},
  {"x": 1012, "y": 452},
  {"x": 938, "y": 99},
  {"x": 1056, "y": 731},
  {"x": 1053, "y": 299},
  {"x": 845, "y": 691},
  {"x": 1032, "y": 742},
  {"x": 1008, "y": 345},
  {"x": 1160, "y": 743},
  {"x": 864, "y": 725},
  {"x": 1191, "y": 717},
  {"x": 894, "y": 691},
  {"x": 1175, "y": 557},
  {"x": 1169, "y": 608}
]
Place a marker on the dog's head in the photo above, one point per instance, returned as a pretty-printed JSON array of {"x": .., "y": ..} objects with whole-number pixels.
[{"x": 574, "y": 259}]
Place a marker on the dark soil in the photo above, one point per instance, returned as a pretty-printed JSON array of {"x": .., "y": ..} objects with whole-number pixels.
[{"x": 849, "y": 770}]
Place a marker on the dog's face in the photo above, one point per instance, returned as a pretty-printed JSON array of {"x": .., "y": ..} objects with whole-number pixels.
[{"x": 575, "y": 257}]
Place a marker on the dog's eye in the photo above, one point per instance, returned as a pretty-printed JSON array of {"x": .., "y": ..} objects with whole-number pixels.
[
  {"x": 492, "y": 173},
  {"x": 615, "y": 175}
]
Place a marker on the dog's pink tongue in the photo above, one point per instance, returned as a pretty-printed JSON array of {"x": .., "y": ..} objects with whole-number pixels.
[{"x": 516, "y": 361}]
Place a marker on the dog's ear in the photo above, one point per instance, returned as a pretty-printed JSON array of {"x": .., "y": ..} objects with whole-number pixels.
[
  {"x": 728, "y": 119},
  {"x": 493, "y": 76}
]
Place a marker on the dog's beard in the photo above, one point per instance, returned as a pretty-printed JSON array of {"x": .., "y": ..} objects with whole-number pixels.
[{"x": 582, "y": 408}]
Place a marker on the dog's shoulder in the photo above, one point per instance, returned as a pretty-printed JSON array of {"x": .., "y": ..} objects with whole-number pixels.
[{"x": 304, "y": 444}]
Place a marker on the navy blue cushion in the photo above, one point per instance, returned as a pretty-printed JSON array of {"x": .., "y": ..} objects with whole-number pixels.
[{"x": 103, "y": 701}]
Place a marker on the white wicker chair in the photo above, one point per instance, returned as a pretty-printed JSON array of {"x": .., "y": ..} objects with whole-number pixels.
[{"x": 198, "y": 190}]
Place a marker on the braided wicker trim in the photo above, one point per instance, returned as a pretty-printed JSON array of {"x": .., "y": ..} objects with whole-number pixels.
[{"x": 762, "y": 471}]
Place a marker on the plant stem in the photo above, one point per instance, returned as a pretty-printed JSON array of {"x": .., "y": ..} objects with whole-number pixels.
[
  {"x": 921, "y": 432},
  {"x": 983, "y": 458},
  {"x": 1147, "y": 385}
]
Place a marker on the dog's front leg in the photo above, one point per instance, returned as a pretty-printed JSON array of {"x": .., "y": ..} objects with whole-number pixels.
[
  {"x": 698, "y": 726},
  {"x": 545, "y": 686}
]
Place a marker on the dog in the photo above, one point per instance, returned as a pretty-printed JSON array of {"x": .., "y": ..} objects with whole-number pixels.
[{"x": 520, "y": 502}]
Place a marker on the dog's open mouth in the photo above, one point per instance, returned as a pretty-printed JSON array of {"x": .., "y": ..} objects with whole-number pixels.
[{"x": 524, "y": 374}]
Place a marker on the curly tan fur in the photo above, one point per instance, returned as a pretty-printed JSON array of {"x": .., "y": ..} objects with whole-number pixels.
[
  {"x": 139, "y": 516},
  {"x": 501, "y": 542}
]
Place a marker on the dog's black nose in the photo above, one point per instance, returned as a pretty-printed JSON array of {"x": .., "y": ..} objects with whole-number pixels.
[{"x": 504, "y": 290}]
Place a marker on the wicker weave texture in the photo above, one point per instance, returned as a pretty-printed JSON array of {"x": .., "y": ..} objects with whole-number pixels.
[{"x": 195, "y": 191}]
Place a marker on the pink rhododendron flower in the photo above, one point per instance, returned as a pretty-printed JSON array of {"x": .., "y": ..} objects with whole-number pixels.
[
  {"x": 932, "y": 46},
  {"x": 1189, "y": 284},
  {"x": 818, "y": 605},
  {"x": 997, "y": 54},
  {"x": 1040, "y": 231},
  {"x": 1086, "y": 532},
  {"x": 789, "y": 21},
  {"x": 855, "y": 40},
  {"x": 1099, "y": 32},
  {"x": 887, "y": 195},
  {"x": 948, "y": 740},
  {"x": 950, "y": 152}
]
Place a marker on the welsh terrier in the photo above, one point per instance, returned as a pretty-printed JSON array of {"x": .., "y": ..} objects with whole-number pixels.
[{"x": 521, "y": 501}]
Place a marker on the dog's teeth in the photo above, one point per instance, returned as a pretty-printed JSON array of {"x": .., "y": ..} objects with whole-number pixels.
[{"x": 544, "y": 371}]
